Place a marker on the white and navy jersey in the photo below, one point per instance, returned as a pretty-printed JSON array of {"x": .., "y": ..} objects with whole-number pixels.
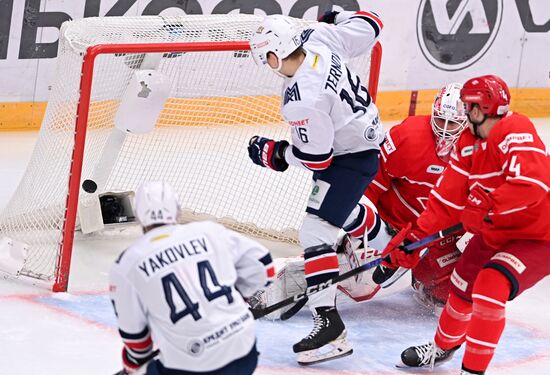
[
  {"x": 326, "y": 104},
  {"x": 180, "y": 288}
]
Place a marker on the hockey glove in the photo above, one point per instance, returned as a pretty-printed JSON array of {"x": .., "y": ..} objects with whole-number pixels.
[
  {"x": 476, "y": 213},
  {"x": 395, "y": 255},
  {"x": 328, "y": 17},
  {"x": 268, "y": 153}
]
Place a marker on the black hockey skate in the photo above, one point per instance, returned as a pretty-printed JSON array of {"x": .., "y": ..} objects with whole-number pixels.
[
  {"x": 328, "y": 333},
  {"x": 426, "y": 355},
  {"x": 383, "y": 275},
  {"x": 470, "y": 372}
]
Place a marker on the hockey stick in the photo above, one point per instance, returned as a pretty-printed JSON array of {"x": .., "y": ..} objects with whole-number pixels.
[
  {"x": 142, "y": 368},
  {"x": 294, "y": 309},
  {"x": 402, "y": 271},
  {"x": 258, "y": 313},
  {"x": 346, "y": 248}
]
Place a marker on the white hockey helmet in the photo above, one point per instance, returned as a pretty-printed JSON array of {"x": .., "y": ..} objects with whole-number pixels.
[
  {"x": 448, "y": 118},
  {"x": 276, "y": 34},
  {"x": 156, "y": 203}
]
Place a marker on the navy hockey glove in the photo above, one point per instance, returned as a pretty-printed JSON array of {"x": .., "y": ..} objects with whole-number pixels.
[
  {"x": 268, "y": 153},
  {"x": 328, "y": 17}
]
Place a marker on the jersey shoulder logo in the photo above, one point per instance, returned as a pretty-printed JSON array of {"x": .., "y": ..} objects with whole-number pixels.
[
  {"x": 292, "y": 94},
  {"x": 305, "y": 35}
]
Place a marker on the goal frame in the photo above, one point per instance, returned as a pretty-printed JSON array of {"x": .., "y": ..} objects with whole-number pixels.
[{"x": 63, "y": 264}]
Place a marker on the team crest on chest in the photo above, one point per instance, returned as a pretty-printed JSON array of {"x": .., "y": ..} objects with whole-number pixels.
[{"x": 292, "y": 94}]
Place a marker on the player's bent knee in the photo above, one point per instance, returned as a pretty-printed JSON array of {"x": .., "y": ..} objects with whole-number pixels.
[
  {"x": 458, "y": 308},
  {"x": 490, "y": 293},
  {"x": 316, "y": 231}
]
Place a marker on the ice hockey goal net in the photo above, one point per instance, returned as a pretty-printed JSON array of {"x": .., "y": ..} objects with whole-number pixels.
[{"x": 218, "y": 98}]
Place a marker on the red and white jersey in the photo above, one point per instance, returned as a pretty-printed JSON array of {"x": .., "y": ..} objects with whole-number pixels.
[
  {"x": 180, "y": 287},
  {"x": 326, "y": 104},
  {"x": 513, "y": 164},
  {"x": 409, "y": 169}
]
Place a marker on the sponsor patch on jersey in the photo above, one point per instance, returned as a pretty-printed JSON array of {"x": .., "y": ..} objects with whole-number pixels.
[
  {"x": 445, "y": 260},
  {"x": 302, "y": 122},
  {"x": 389, "y": 146},
  {"x": 514, "y": 138},
  {"x": 318, "y": 194},
  {"x": 435, "y": 169},
  {"x": 458, "y": 281},
  {"x": 467, "y": 151},
  {"x": 511, "y": 260}
]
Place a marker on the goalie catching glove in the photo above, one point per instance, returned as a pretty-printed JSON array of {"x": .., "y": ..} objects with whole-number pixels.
[{"x": 268, "y": 153}]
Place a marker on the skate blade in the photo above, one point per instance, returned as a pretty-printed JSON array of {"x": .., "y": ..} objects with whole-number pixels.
[
  {"x": 333, "y": 350},
  {"x": 394, "y": 278},
  {"x": 429, "y": 367}
]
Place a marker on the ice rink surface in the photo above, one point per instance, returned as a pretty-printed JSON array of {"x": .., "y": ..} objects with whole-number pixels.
[{"x": 42, "y": 333}]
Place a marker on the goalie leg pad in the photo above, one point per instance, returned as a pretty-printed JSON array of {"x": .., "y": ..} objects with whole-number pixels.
[{"x": 361, "y": 287}]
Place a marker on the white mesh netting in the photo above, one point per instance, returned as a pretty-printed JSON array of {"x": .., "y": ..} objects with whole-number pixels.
[{"x": 218, "y": 100}]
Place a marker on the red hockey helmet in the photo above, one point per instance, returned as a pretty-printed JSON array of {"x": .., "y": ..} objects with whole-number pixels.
[{"x": 489, "y": 92}]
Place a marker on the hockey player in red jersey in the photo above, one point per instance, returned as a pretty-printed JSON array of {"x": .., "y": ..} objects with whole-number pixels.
[
  {"x": 413, "y": 157},
  {"x": 497, "y": 185}
]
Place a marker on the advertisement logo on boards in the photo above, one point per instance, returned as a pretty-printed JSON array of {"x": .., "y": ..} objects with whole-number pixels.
[{"x": 454, "y": 34}]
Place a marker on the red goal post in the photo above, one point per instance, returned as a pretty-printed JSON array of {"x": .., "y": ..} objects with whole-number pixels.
[{"x": 205, "y": 95}]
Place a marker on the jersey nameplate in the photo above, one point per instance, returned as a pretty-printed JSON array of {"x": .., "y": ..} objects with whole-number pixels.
[
  {"x": 514, "y": 138},
  {"x": 335, "y": 72}
]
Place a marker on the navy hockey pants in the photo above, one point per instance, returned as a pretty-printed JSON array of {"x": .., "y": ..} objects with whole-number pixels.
[
  {"x": 242, "y": 366},
  {"x": 338, "y": 189}
]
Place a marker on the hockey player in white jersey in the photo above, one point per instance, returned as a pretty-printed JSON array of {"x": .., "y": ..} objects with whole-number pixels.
[
  {"x": 336, "y": 133},
  {"x": 180, "y": 289}
]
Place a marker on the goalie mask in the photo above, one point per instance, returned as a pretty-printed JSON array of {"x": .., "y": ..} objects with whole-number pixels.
[
  {"x": 156, "y": 203},
  {"x": 448, "y": 118},
  {"x": 276, "y": 34}
]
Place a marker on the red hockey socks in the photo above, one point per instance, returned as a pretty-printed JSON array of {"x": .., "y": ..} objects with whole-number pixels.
[
  {"x": 453, "y": 322},
  {"x": 490, "y": 293}
]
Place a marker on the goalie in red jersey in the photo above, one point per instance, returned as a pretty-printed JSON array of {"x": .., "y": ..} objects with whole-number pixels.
[
  {"x": 496, "y": 185},
  {"x": 413, "y": 157}
]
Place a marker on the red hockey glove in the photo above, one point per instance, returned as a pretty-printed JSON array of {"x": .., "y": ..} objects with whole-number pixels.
[
  {"x": 395, "y": 254},
  {"x": 268, "y": 153},
  {"x": 475, "y": 215}
]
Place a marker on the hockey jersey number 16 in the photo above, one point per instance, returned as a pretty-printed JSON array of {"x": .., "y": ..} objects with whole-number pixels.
[{"x": 326, "y": 104}]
